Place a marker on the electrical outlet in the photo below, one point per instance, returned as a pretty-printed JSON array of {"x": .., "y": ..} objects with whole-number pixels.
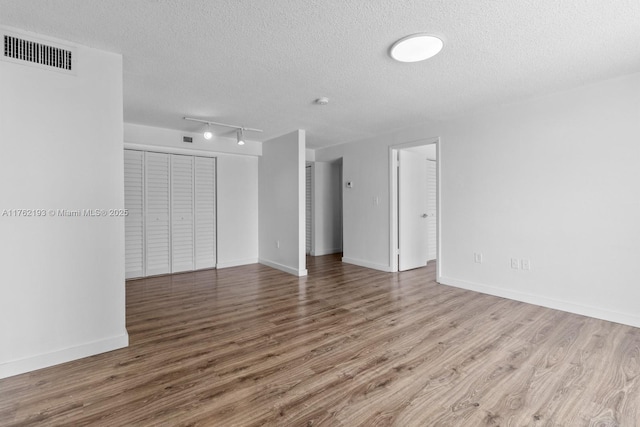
[
  {"x": 525, "y": 264},
  {"x": 477, "y": 258},
  {"x": 515, "y": 263},
  {"x": 278, "y": 244}
]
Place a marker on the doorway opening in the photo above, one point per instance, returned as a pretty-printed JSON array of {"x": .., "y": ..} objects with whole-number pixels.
[
  {"x": 324, "y": 232},
  {"x": 415, "y": 204}
]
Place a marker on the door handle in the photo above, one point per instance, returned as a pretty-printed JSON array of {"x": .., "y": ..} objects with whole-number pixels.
[{"x": 424, "y": 215}]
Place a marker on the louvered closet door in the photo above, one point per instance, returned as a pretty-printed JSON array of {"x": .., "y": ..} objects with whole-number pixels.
[
  {"x": 158, "y": 237},
  {"x": 308, "y": 209},
  {"x": 182, "y": 241},
  {"x": 205, "y": 213},
  {"x": 134, "y": 221}
]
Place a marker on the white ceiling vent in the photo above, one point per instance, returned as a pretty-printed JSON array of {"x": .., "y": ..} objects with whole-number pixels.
[{"x": 43, "y": 54}]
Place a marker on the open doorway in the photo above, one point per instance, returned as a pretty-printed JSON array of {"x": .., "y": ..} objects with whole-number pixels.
[
  {"x": 414, "y": 187},
  {"x": 324, "y": 208}
]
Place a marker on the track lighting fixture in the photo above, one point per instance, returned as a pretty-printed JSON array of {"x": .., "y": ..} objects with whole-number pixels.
[
  {"x": 239, "y": 129},
  {"x": 207, "y": 133}
]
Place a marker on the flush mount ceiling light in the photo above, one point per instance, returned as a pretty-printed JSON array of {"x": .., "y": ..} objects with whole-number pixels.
[
  {"x": 239, "y": 129},
  {"x": 416, "y": 47}
]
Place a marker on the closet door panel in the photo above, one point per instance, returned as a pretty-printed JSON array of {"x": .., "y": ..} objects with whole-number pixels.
[
  {"x": 308, "y": 207},
  {"x": 158, "y": 199},
  {"x": 182, "y": 236},
  {"x": 205, "y": 212},
  {"x": 134, "y": 221}
]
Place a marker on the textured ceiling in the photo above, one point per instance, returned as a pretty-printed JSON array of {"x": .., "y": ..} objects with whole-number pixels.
[{"x": 262, "y": 63}]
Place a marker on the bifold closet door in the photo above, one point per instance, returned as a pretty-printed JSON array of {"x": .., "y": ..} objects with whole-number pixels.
[
  {"x": 157, "y": 224},
  {"x": 182, "y": 198},
  {"x": 205, "y": 212},
  {"x": 134, "y": 221},
  {"x": 171, "y": 225},
  {"x": 307, "y": 206}
]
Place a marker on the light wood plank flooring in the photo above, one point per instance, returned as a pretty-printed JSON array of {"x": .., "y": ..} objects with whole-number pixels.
[{"x": 345, "y": 346}]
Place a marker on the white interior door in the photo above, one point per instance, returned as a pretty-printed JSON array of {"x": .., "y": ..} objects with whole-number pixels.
[
  {"x": 308, "y": 209},
  {"x": 158, "y": 226},
  {"x": 182, "y": 238},
  {"x": 431, "y": 209},
  {"x": 134, "y": 221},
  {"x": 412, "y": 210}
]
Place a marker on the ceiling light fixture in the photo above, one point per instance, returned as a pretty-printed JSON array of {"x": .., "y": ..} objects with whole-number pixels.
[
  {"x": 207, "y": 133},
  {"x": 239, "y": 129},
  {"x": 416, "y": 47},
  {"x": 240, "y": 137}
]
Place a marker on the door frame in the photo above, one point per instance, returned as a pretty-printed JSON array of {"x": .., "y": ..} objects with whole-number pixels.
[{"x": 393, "y": 199}]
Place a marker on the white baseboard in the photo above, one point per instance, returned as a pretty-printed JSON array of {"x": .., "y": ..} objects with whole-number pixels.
[
  {"x": 367, "y": 264},
  {"x": 570, "y": 307},
  {"x": 237, "y": 262},
  {"x": 325, "y": 251},
  {"x": 284, "y": 268},
  {"x": 28, "y": 364}
]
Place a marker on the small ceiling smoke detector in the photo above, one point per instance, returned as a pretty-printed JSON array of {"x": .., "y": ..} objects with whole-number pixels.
[
  {"x": 416, "y": 47},
  {"x": 322, "y": 100}
]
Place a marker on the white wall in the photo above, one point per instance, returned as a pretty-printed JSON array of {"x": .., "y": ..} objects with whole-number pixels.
[
  {"x": 237, "y": 185},
  {"x": 282, "y": 203},
  {"x": 62, "y": 295},
  {"x": 237, "y": 210},
  {"x": 554, "y": 180},
  {"x": 310, "y": 155},
  {"x": 327, "y": 207},
  {"x": 366, "y": 233}
]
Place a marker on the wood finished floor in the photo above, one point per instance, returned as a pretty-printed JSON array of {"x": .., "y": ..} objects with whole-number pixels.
[{"x": 345, "y": 346}]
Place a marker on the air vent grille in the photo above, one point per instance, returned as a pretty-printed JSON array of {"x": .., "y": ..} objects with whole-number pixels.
[{"x": 37, "y": 53}]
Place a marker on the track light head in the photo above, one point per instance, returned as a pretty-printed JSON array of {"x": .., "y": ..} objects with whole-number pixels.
[
  {"x": 240, "y": 137},
  {"x": 207, "y": 133}
]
